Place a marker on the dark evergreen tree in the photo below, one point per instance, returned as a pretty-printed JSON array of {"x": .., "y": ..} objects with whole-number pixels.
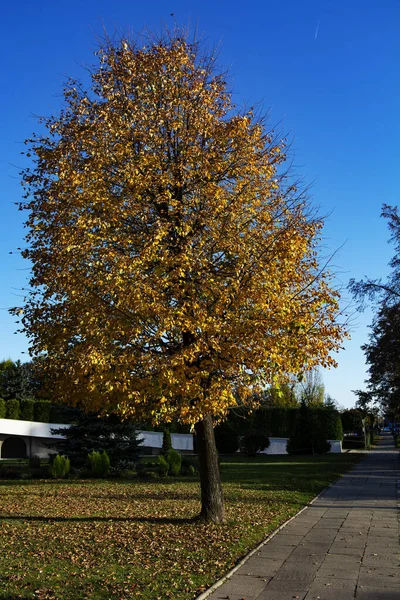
[
  {"x": 90, "y": 433},
  {"x": 18, "y": 380},
  {"x": 166, "y": 442}
]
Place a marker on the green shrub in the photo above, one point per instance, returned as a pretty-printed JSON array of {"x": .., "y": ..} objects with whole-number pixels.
[
  {"x": 163, "y": 465},
  {"x": 99, "y": 464},
  {"x": 27, "y": 406},
  {"x": 190, "y": 465},
  {"x": 12, "y": 409},
  {"x": 174, "y": 462},
  {"x": 166, "y": 442},
  {"x": 2, "y": 409},
  {"x": 42, "y": 411},
  {"x": 60, "y": 467},
  {"x": 253, "y": 441}
]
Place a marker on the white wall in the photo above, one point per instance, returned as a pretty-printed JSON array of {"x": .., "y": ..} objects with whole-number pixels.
[{"x": 278, "y": 446}]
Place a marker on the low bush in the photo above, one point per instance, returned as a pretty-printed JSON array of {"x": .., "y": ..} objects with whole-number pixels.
[
  {"x": 2, "y": 409},
  {"x": 253, "y": 441},
  {"x": 174, "y": 462},
  {"x": 190, "y": 465},
  {"x": 163, "y": 465},
  {"x": 10, "y": 472},
  {"x": 60, "y": 467},
  {"x": 12, "y": 409},
  {"x": 99, "y": 464}
]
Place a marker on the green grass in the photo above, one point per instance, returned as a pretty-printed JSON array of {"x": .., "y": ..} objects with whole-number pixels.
[{"x": 106, "y": 540}]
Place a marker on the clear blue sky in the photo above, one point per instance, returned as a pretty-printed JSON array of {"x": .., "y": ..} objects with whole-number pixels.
[{"x": 327, "y": 69}]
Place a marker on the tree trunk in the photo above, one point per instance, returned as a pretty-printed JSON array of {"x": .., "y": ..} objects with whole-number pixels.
[{"x": 212, "y": 499}]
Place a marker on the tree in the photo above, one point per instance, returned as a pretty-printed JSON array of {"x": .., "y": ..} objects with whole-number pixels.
[
  {"x": 382, "y": 354},
  {"x": 384, "y": 292},
  {"x": 382, "y": 350},
  {"x": 311, "y": 388},
  {"x": 91, "y": 433},
  {"x": 17, "y": 380},
  {"x": 175, "y": 265}
]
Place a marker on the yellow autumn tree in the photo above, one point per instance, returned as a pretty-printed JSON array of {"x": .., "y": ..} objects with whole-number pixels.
[{"x": 175, "y": 267}]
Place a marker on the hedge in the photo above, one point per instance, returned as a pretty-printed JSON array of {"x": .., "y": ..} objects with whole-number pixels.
[
  {"x": 2, "y": 409},
  {"x": 352, "y": 421},
  {"x": 329, "y": 421},
  {"x": 27, "y": 406},
  {"x": 12, "y": 409},
  {"x": 42, "y": 411}
]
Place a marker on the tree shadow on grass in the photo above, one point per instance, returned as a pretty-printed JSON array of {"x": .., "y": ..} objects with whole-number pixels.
[{"x": 94, "y": 519}]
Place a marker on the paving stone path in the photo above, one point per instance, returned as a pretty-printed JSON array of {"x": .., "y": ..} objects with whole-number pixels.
[{"x": 344, "y": 546}]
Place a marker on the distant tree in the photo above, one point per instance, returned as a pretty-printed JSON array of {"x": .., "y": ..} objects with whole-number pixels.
[
  {"x": 119, "y": 439},
  {"x": 18, "y": 380},
  {"x": 330, "y": 402},
  {"x": 311, "y": 388},
  {"x": 283, "y": 395}
]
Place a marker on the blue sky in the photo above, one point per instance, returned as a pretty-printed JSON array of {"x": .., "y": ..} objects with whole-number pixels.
[{"x": 327, "y": 70}]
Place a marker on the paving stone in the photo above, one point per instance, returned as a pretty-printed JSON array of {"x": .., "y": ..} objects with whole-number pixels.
[
  {"x": 332, "y": 589},
  {"x": 281, "y": 595},
  {"x": 297, "y": 572},
  {"x": 260, "y": 567},
  {"x": 386, "y": 576},
  {"x": 280, "y": 585},
  {"x": 375, "y": 559},
  {"x": 286, "y": 540},
  {"x": 334, "y": 571},
  {"x": 301, "y": 530},
  {"x": 312, "y": 548},
  {"x": 329, "y": 594},
  {"x": 373, "y": 594},
  {"x": 323, "y": 535},
  {"x": 237, "y": 587},
  {"x": 275, "y": 552}
]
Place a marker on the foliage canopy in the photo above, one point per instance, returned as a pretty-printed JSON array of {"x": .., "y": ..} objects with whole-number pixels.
[{"x": 175, "y": 266}]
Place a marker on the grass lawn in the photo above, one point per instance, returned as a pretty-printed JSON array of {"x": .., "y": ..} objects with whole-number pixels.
[{"x": 118, "y": 540}]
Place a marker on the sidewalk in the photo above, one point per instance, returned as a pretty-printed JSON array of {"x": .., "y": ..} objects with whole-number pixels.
[{"x": 343, "y": 546}]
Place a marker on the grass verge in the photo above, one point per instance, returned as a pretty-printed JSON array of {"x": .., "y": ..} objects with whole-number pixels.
[{"x": 108, "y": 540}]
